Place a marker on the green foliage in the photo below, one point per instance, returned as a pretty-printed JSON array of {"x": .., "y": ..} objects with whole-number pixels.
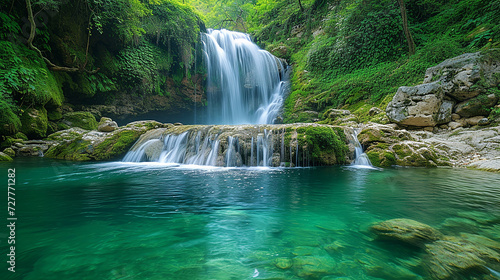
[
  {"x": 322, "y": 143},
  {"x": 123, "y": 17},
  {"x": 140, "y": 67}
]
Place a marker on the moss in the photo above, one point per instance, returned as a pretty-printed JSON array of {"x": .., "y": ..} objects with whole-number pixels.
[
  {"x": 323, "y": 144},
  {"x": 76, "y": 150},
  {"x": 54, "y": 115},
  {"x": 117, "y": 145},
  {"x": 401, "y": 150},
  {"x": 4, "y": 157},
  {"x": 381, "y": 158},
  {"x": 21, "y": 135},
  {"x": 34, "y": 122},
  {"x": 83, "y": 120},
  {"x": 370, "y": 135},
  {"x": 10, "y": 141},
  {"x": 10, "y": 152}
]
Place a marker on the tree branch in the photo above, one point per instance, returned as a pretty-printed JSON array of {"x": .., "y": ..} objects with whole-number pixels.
[{"x": 51, "y": 65}]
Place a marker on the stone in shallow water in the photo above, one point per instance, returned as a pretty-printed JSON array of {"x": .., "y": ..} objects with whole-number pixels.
[
  {"x": 480, "y": 217},
  {"x": 283, "y": 263},
  {"x": 376, "y": 267},
  {"x": 454, "y": 256},
  {"x": 406, "y": 230},
  {"x": 314, "y": 267}
]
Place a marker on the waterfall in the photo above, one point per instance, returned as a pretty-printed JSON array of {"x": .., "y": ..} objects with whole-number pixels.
[
  {"x": 245, "y": 84},
  {"x": 361, "y": 157}
]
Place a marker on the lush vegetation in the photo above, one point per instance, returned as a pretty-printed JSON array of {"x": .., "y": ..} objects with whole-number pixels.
[
  {"x": 88, "y": 51},
  {"x": 345, "y": 53}
]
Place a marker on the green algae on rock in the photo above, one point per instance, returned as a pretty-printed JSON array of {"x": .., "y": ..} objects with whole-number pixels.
[
  {"x": 407, "y": 231},
  {"x": 83, "y": 145}
]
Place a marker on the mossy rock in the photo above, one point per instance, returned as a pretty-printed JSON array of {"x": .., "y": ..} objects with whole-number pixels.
[
  {"x": 381, "y": 158},
  {"x": 10, "y": 141},
  {"x": 21, "y": 135},
  {"x": 407, "y": 231},
  {"x": 283, "y": 263},
  {"x": 52, "y": 127},
  {"x": 117, "y": 145},
  {"x": 5, "y": 157},
  {"x": 34, "y": 122},
  {"x": 77, "y": 150},
  {"x": 314, "y": 267},
  {"x": 370, "y": 135},
  {"x": 10, "y": 152},
  {"x": 83, "y": 120},
  {"x": 54, "y": 115},
  {"x": 325, "y": 145}
]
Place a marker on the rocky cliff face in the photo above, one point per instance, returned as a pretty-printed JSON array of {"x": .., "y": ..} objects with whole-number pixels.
[{"x": 453, "y": 92}]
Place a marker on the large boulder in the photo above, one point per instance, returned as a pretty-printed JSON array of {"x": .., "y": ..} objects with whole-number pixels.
[
  {"x": 407, "y": 231},
  {"x": 464, "y": 85},
  {"x": 422, "y": 105}
]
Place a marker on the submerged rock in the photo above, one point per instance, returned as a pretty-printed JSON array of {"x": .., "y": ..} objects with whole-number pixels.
[
  {"x": 406, "y": 230},
  {"x": 283, "y": 263},
  {"x": 314, "y": 267},
  {"x": 454, "y": 256}
]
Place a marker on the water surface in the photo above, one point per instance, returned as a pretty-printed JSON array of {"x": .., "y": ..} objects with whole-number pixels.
[{"x": 153, "y": 221}]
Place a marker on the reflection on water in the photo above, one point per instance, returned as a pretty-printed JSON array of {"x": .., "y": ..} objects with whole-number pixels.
[{"x": 153, "y": 221}]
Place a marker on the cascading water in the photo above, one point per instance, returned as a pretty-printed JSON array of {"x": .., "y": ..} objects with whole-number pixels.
[
  {"x": 245, "y": 84},
  {"x": 361, "y": 157},
  {"x": 227, "y": 146}
]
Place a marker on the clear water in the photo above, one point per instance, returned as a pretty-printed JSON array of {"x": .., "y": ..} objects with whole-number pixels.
[{"x": 153, "y": 221}]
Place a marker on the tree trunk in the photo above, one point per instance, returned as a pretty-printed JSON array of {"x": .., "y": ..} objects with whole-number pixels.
[
  {"x": 301, "y": 7},
  {"x": 406, "y": 30}
]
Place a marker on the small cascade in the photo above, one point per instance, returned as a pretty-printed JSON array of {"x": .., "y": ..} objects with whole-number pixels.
[
  {"x": 361, "y": 159},
  {"x": 245, "y": 84},
  {"x": 227, "y": 146}
]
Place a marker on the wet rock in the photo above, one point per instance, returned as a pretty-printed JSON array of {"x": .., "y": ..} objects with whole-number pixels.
[
  {"x": 486, "y": 165},
  {"x": 107, "y": 125},
  {"x": 312, "y": 267},
  {"x": 283, "y": 263},
  {"x": 5, "y": 157},
  {"x": 406, "y": 230},
  {"x": 454, "y": 256},
  {"x": 10, "y": 152},
  {"x": 82, "y": 145}
]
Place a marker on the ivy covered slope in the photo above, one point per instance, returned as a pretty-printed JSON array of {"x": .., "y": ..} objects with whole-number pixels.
[
  {"x": 109, "y": 57},
  {"x": 354, "y": 54}
]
